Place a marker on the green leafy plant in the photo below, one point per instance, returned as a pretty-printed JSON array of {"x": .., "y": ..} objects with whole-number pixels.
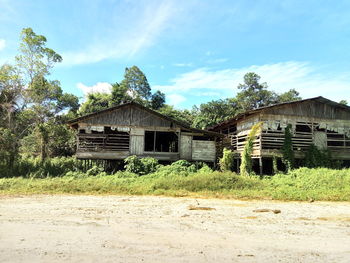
[
  {"x": 226, "y": 162},
  {"x": 287, "y": 149},
  {"x": 246, "y": 164}
]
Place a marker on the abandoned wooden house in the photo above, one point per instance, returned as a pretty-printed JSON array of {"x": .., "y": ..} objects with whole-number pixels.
[
  {"x": 318, "y": 121},
  {"x": 132, "y": 129}
]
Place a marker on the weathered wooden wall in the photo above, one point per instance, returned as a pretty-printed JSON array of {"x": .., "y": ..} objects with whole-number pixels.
[
  {"x": 311, "y": 109},
  {"x": 129, "y": 116},
  {"x": 203, "y": 150},
  {"x": 186, "y": 147}
]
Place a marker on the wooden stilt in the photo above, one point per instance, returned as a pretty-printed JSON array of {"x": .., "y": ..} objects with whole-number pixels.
[{"x": 261, "y": 165}]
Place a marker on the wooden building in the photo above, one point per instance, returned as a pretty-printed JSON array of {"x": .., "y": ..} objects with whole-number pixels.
[
  {"x": 318, "y": 121},
  {"x": 131, "y": 129}
]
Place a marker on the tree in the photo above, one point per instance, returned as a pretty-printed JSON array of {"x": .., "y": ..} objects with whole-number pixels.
[
  {"x": 213, "y": 112},
  {"x": 344, "y": 102},
  {"x": 157, "y": 100},
  {"x": 10, "y": 95},
  {"x": 43, "y": 97},
  {"x": 254, "y": 94},
  {"x": 119, "y": 94},
  {"x": 290, "y": 95},
  {"x": 95, "y": 102},
  {"x": 184, "y": 116},
  {"x": 136, "y": 83}
]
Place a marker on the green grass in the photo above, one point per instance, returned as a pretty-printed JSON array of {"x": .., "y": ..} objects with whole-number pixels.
[{"x": 301, "y": 184}]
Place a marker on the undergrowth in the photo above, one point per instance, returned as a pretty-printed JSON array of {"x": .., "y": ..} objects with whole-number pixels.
[{"x": 185, "y": 179}]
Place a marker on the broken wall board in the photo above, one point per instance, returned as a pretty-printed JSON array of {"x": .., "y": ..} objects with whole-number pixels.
[{"x": 203, "y": 150}]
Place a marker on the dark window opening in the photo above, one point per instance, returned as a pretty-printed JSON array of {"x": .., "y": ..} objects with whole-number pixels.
[
  {"x": 96, "y": 132},
  {"x": 149, "y": 141},
  {"x": 82, "y": 131},
  {"x": 302, "y": 128},
  {"x": 156, "y": 141}
]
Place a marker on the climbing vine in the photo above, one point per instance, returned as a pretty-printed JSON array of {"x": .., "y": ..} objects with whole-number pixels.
[
  {"x": 246, "y": 164},
  {"x": 287, "y": 149}
]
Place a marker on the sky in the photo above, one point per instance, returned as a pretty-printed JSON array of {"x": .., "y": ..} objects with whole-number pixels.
[{"x": 194, "y": 51}]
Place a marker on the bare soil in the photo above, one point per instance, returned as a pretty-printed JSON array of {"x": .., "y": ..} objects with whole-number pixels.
[{"x": 62, "y": 228}]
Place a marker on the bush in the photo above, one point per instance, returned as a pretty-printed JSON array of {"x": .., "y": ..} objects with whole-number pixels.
[
  {"x": 226, "y": 162},
  {"x": 142, "y": 166},
  {"x": 315, "y": 158},
  {"x": 35, "y": 168}
]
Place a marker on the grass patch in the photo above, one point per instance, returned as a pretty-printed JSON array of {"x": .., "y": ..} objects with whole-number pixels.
[{"x": 301, "y": 184}]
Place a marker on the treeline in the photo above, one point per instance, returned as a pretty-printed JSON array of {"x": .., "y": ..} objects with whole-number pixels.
[{"x": 34, "y": 108}]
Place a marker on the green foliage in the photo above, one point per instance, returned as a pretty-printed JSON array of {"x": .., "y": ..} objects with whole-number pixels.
[
  {"x": 213, "y": 112},
  {"x": 226, "y": 162},
  {"x": 140, "y": 166},
  {"x": 274, "y": 165},
  {"x": 255, "y": 94},
  {"x": 95, "y": 102},
  {"x": 299, "y": 184},
  {"x": 36, "y": 168},
  {"x": 119, "y": 94},
  {"x": 246, "y": 159},
  {"x": 136, "y": 83},
  {"x": 183, "y": 116},
  {"x": 287, "y": 149},
  {"x": 157, "y": 100},
  {"x": 306, "y": 184},
  {"x": 315, "y": 158}
]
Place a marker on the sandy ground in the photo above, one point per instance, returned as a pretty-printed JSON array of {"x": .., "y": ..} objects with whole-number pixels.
[{"x": 159, "y": 229}]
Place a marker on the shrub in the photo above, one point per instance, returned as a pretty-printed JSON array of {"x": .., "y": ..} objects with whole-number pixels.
[
  {"x": 315, "y": 157},
  {"x": 287, "y": 149},
  {"x": 246, "y": 165},
  {"x": 140, "y": 166},
  {"x": 226, "y": 162}
]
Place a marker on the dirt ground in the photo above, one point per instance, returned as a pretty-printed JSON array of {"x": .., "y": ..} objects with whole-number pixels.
[{"x": 63, "y": 228}]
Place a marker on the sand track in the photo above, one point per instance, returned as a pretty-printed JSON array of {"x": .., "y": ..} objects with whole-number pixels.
[{"x": 100, "y": 229}]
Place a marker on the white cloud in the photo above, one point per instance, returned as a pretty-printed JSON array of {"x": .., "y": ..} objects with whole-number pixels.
[
  {"x": 2, "y": 44},
  {"x": 183, "y": 64},
  {"x": 309, "y": 80},
  {"x": 102, "y": 87},
  {"x": 143, "y": 30},
  {"x": 175, "y": 99}
]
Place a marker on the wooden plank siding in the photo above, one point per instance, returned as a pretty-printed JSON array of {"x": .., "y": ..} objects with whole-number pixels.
[
  {"x": 119, "y": 132},
  {"x": 203, "y": 150}
]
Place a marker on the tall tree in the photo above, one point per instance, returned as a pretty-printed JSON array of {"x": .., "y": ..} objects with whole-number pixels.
[
  {"x": 44, "y": 97},
  {"x": 136, "y": 83},
  {"x": 290, "y": 95},
  {"x": 254, "y": 94},
  {"x": 213, "y": 112},
  {"x": 95, "y": 102},
  {"x": 119, "y": 94},
  {"x": 10, "y": 95},
  {"x": 157, "y": 100}
]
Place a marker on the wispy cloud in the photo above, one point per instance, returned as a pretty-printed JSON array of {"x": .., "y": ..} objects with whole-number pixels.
[
  {"x": 143, "y": 29},
  {"x": 102, "y": 87},
  {"x": 183, "y": 64},
  {"x": 175, "y": 99},
  {"x": 309, "y": 80},
  {"x": 2, "y": 44}
]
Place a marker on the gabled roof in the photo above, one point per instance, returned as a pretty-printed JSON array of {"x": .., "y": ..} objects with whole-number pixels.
[
  {"x": 254, "y": 111},
  {"x": 181, "y": 124}
]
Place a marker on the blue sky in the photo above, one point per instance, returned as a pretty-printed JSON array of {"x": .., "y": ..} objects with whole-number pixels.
[{"x": 195, "y": 50}]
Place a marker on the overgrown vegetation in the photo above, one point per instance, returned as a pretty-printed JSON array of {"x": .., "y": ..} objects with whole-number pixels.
[
  {"x": 287, "y": 149},
  {"x": 184, "y": 179},
  {"x": 246, "y": 155},
  {"x": 226, "y": 162}
]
